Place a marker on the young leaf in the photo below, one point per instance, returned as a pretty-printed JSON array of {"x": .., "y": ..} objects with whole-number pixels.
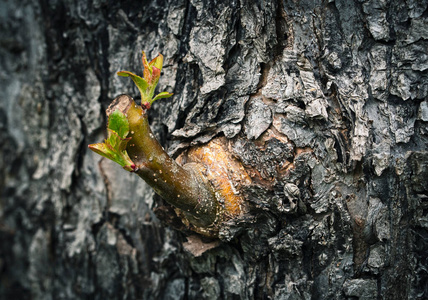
[
  {"x": 162, "y": 95},
  {"x": 153, "y": 83},
  {"x": 147, "y": 85},
  {"x": 141, "y": 83},
  {"x": 115, "y": 141},
  {"x": 121, "y": 157},
  {"x": 101, "y": 149},
  {"x": 147, "y": 72},
  {"x": 117, "y": 122},
  {"x": 114, "y": 146},
  {"x": 157, "y": 62}
]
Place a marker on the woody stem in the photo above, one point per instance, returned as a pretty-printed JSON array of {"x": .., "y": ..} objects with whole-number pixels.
[{"x": 183, "y": 188}]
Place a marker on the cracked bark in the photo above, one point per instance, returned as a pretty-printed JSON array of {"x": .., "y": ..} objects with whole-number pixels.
[{"x": 324, "y": 103}]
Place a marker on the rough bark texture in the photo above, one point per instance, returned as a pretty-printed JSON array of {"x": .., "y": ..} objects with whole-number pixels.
[{"x": 324, "y": 102}]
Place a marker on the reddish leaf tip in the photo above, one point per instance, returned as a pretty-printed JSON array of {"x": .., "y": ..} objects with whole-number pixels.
[{"x": 146, "y": 105}]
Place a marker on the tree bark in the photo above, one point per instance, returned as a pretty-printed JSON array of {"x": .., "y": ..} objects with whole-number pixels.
[{"x": 324, "y": 103}]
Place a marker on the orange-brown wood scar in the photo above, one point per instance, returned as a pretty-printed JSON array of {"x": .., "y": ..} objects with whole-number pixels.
[{"x": 226, "y": 174}]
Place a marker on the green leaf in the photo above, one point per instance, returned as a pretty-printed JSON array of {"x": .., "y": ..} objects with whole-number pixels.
[
  {"x": 112, "y": 153},
  {"x": 116, "y": 142},
  {"x": 141, "y": 83},
  {"x": 157, "y": 62},
  {"x": 101, "y": 149},
  {"x": 162, "y": 95},
  {"x": 113, "y": 139},
  {"x": 153, "y": 83},
  {"x": 118, "y": 123},
  {"x": 114, "y": 147},
  {"x": 147, "y": 85},
  {"x": 147, "y": 72}
]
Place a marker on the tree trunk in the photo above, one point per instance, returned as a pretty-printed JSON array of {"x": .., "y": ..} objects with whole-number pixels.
[{"x": 323, "y": 102}]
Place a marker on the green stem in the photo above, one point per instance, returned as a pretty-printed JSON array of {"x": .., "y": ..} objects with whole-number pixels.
[{"x": 183, "y": 188}]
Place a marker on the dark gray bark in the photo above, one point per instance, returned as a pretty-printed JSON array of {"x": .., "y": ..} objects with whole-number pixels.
[{"x": 325, "y": 103}]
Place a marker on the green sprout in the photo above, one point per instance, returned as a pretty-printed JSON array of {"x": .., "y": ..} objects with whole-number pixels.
[
  {"x": 129, "y": 135},
  {"x": 147, "y": 85},
  {"x": 114, "y": 147}
]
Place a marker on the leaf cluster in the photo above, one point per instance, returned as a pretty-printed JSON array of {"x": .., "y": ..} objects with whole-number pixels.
[
  {"x": 148, "y": 83},
  {"x": 114, "y": 147}
]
